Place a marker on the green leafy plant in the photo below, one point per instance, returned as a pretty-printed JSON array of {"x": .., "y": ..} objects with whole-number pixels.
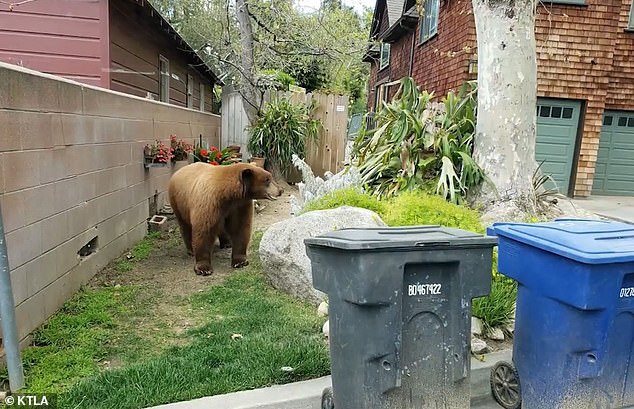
[
  {"x": 417, "y": 208},
  {"x": 496, "y": 309},
  {"x": 416, "y": 140},
  {"x": 284, "y": 128},
  {"x": 346, "y": 197}
]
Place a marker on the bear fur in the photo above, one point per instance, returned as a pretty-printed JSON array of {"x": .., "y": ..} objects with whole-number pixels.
[{"x": 216, "y": 202}]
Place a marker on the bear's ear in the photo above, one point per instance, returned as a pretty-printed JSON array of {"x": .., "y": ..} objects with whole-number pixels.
[{"x": 247, "y": 181}]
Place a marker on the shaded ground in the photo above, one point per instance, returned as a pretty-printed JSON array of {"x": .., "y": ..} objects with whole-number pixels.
[{"x": 166, "y": 280}]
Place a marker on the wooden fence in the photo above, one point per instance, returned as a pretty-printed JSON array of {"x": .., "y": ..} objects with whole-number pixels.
[{"x": 327, "y": 154}]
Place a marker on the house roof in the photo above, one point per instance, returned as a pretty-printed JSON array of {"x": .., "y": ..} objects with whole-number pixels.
[
  {"x": 198, "y": 63},
  {"x": 401, "y": 15}
]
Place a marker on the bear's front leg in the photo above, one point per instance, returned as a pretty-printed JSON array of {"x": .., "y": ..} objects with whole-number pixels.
[
  {"x": 201, "y": 244},
  {"x": 239, "y": 226},
  {"x": 225, "y": 239}
]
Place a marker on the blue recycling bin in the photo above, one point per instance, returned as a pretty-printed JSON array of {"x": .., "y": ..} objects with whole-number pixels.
[{"x": 574, "y": 330}]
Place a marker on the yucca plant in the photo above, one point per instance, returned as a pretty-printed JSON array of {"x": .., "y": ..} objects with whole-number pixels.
[
  {"x": 282, "y": 129},
  {"x": 416, "y": 140}
]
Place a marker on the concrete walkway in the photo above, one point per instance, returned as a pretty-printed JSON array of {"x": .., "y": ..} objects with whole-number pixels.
[{"x": 612, "y": 207}]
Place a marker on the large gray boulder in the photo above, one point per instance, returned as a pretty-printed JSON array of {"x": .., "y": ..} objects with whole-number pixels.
[{"x": 283, "y": 253}]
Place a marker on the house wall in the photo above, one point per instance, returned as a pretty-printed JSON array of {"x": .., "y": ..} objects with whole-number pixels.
[
  {"x": 135, "y": 46},
  {"x": 582, "y": 52},
  {"x": 61, "y": 37},
  {"x": 441, "y": 63},
  {"x": 71, "y": 169}
]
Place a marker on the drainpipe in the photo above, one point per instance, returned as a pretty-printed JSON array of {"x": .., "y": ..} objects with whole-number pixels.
[
  {"x": 7, "y": 315},
  {"x": 411, "y": 52}
]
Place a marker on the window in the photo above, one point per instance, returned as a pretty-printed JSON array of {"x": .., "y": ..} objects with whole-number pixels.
[
  {"x": 385, "y": 56},
  {"x": 630, "y": 24},
  {"x": 202, "y": 96},
  {"x": 190, "y": 91},
  {"x": 429, "y": 20},
  {"x": 164, "y": 79}
]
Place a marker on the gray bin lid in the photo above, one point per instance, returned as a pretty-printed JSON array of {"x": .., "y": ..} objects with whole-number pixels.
[{"x": 414, "y": 237}]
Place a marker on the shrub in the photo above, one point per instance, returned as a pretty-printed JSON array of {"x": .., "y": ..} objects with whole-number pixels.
[
  {"x": 416, "y": 140},
  {"x": 418, "y": 207},
  {"x": 345, "y": 197},
  {"x": 284, "y": 128}
]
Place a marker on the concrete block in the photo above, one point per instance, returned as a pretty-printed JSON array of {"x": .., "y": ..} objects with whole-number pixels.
[
  {"x": 79, "y": 129},
  {"x": 19, "y": 284},
  {"x": 135, "y": 173},
  {"x": 70, "y": 97},
  {"x": 55, "y": 230},
  {"x": 67, "y": 193},
  {"x": 47, "y": 166},
  {"x": 1, "y": 174},
  {"x": 41, "y": 272},
  {"x": 57, "y": 130},
  {"x": 24, "y": 244},
  {"x": 21, "y": 88},
  {"x": 21, "y": 170},
  {"x": 80, "y": 219},
  {"x": 38, "y": 203},
  {"x": 60, "y": 170},
  {"x": 158, "y": 224},
  {"x": 86, "y": 185},
  {"x": 137, "y": 130},
  {"x": 30, "y": 314},
  {"x": 13, "y": 214},
  {"x": 110, "y": 104}
]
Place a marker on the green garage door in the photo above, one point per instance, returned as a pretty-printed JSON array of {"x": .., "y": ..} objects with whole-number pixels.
[
  {"x": 614, "y": 173},
  {"x": 557, "y": 123}
]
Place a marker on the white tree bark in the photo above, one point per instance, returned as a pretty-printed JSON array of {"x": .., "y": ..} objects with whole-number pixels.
[{"x": 504, "y": 144}]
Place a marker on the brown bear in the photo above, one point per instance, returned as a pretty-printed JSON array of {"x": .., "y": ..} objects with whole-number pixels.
[{"x": 212, "y": 202}]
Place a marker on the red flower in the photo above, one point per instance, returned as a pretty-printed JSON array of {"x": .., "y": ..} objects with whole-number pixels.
[
  {"x": 203, "y": 152},
  {"x": 218, "y": 155},
  {"x": 214, "y": 163},
  {"x": 214, "y": 149}
]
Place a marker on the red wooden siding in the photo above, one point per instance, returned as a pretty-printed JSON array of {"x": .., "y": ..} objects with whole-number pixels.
[
  {"x": 135, "y": 46},
  {"x": 60, "y": 37}
]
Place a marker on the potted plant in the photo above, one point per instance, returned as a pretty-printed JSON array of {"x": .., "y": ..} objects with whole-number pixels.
[
  {"x": 213, "y": 155},
  {"x": 180, "y": 150},
  {"x": 157, "y": 155}
]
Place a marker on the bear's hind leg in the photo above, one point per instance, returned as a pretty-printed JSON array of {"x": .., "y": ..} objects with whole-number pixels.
[
  {"x": 225, "y": 239},
  {"x": 202, "y": 239},
  {"x": 186, "y": 233}
]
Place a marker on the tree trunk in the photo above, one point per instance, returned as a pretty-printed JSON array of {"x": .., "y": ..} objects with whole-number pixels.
[
  {"x": 250, "y": 94},
  {"x": 504, "y": 144}
]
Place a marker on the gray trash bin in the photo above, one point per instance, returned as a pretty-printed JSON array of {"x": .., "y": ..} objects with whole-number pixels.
[{"x": 400, "y": 313}]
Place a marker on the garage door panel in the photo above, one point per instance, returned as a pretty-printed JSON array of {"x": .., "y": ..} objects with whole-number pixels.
[
  {"x": 557, "y": 123},
  {"x": 614, "y": 173}
]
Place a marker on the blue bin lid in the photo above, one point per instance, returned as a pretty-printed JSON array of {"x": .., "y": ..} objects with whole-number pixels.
[
  {"x": 586, "y": 241},
  {"x": 411, "y": 237}
]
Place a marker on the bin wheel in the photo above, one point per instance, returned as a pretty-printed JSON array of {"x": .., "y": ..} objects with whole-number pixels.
[
  {"x": 327, "y": 401},
  {"x": 505, "y": 385}
]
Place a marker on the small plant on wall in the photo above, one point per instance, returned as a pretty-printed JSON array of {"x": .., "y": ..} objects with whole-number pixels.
[
  {"x": 157, "y": 155},
  {"x": 284, "y": 128},
  {"x": 180, "y": 149}
]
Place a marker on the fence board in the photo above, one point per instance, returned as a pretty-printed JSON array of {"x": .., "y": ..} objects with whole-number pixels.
[{"x": 327, "y": 154}]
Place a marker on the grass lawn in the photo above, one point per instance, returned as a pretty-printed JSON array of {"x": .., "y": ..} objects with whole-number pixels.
[{"x": 111, "y": 347}]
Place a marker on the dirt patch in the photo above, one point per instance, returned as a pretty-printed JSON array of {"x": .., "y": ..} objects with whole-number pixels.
[{"x": 162, "y": 311}]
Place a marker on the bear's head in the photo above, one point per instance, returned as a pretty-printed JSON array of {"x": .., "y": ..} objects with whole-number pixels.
[{"x": 257, "y": 183}]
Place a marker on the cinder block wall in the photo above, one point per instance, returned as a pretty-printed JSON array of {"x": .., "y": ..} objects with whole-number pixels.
[{"x": 71, "y": 170}]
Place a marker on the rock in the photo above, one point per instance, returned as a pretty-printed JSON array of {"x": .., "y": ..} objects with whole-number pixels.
[
  {"x": 476, "y": 326},
  {"x": 496, "y": 334},
  {"x": 510, "y": 327},
  {"x": 322, "y": 310},
  {"x": 283, "y": 253},
  {"x": 326, "y": 329},
  {"x": 478, "y": 346}
]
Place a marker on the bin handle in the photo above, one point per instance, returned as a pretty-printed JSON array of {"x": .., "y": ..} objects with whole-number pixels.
[{"x": 431, "y": 244}]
